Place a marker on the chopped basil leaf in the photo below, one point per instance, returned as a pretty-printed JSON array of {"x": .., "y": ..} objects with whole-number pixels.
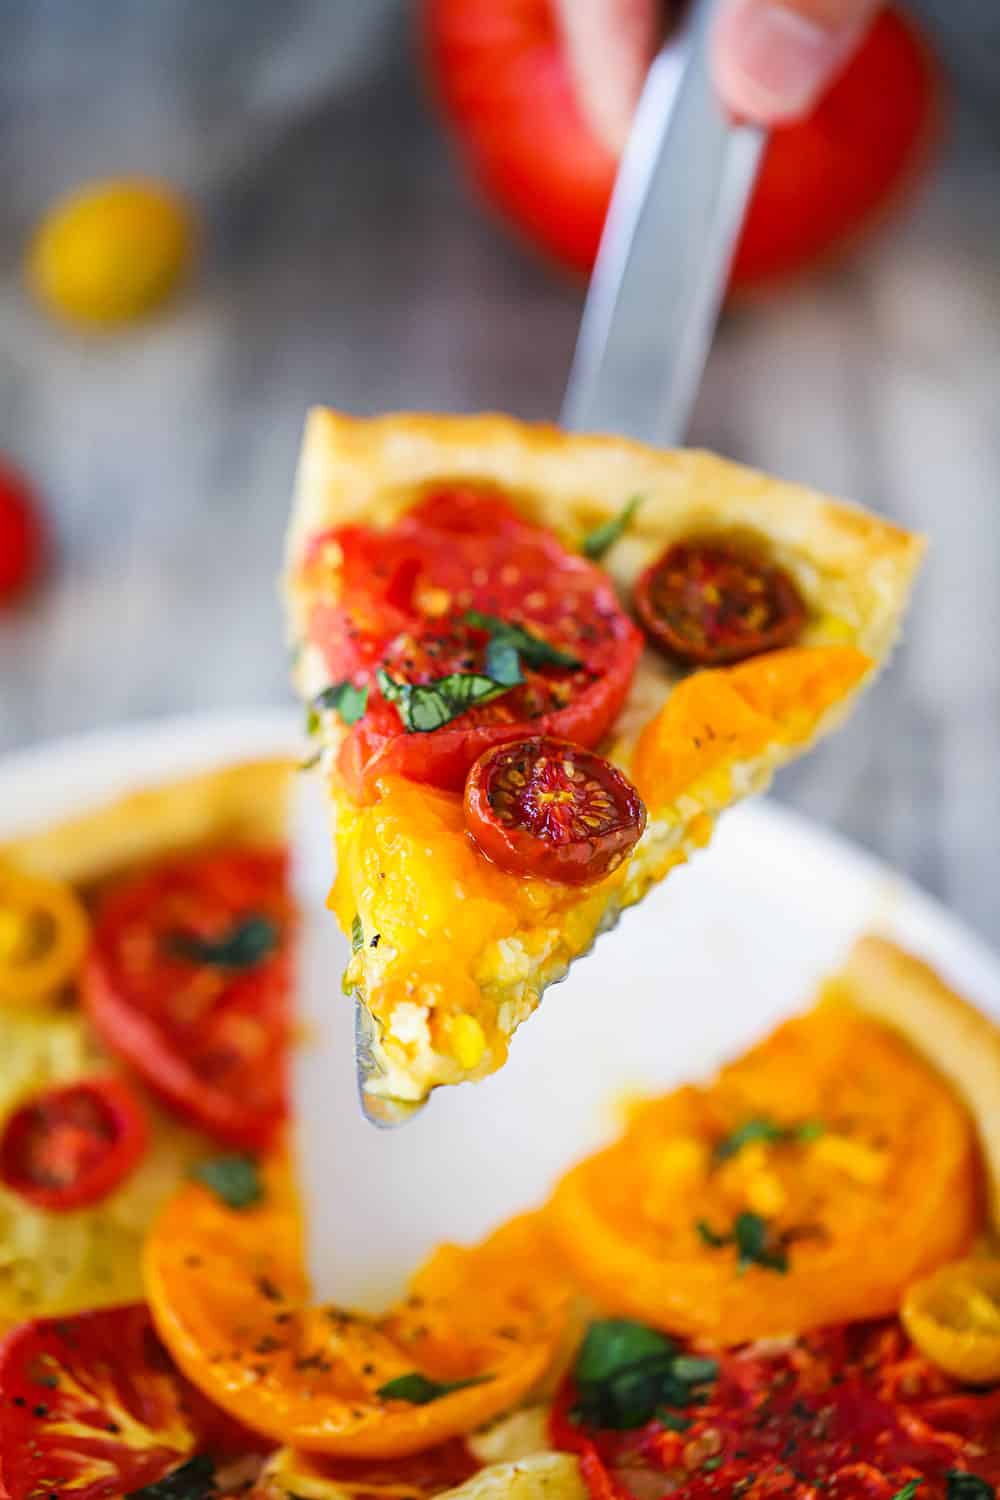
[
  {"x": 603, "y": 537},
  {"x": 194, "y": 1480},
  {"x": 673, "y": 1421},
  {"x": 909, "y": 1490},
  {"x": 755, "y": 1241},
  {"x": 233, "y": 1179},
  {"x": 711, "y": 1464},
  {"x": 357, "y": 934},
  {"x": 426, "y": 706},
  {"x": 419, "y": 1390},
  {"x": 345, "y": 699},
  {"x": 766, "y": 1131},
  {"x": 531, "y": 648},
  {"x": 243, "y": 947},
  {"x": 756, "y": 1244},
  {"x": 625, "y": 1373},
  {"x": 502, "y": 662},
  {"x": 965, "y": 1486}
]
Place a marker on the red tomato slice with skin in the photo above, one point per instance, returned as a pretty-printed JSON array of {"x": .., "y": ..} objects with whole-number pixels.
[
  {"x": 503, "y": 81},
  {"x": 403, "y": 600},
  {"x": 73, "y": 1145},
  {"x": 188, "y": 980},
  {"x": 22, "y": 537},
  {"x": 91, "y": 1406}
]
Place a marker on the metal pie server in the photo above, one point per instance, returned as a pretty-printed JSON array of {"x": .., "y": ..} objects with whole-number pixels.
[
  {"x": 675, "y": 214},
  {"x": 654, "y": 298}
]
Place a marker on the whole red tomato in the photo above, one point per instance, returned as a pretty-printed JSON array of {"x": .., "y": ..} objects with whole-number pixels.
[
  {"x": 504, "y": 83},
  {"x": 21, "y": 535}
]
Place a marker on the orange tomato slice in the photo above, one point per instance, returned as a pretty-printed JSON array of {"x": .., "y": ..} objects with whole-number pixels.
[
  {"x": 953, "y": 1317},
  {"x": 476, "y": 1331},
  {"x": 808, "y": 1184},
  {"x": 717, "y": 718}
]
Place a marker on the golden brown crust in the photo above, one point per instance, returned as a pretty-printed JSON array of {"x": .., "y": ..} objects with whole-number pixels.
[
  {"x": 907, "y": 995},
  {"x": 852, "y": 566},
  {"x": 244, "y": 804}
]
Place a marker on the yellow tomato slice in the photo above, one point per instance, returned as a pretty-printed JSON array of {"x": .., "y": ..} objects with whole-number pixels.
[
  {"x": 810, "y": 1183},
  {"x": 229, "y": 1298},
  {"x": 43, "y": 937},
  {"x": 953, "y": 1317},
  {"x": 726, "y": 715},
  {"x": 111, "y": 251}
]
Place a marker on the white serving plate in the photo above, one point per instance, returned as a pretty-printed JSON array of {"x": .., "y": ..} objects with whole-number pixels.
[{"x": 709, "y": 961}]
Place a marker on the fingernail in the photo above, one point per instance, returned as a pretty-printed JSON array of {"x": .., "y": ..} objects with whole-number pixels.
[{"x": 773, "y": 61}]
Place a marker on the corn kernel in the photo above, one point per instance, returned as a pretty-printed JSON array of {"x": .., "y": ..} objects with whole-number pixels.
[
  {"x": 862, "y": 1163},
  {"x": 765, "y": 1195},
  {"x": 467, "y": 1041}
]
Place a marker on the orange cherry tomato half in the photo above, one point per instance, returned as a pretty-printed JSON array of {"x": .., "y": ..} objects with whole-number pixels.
[
  {"x": 92, "y": 1407},
  {"x": 188, "y": 981},
  {"x": 552, "y": 810},
  {"x": 22, "y": 538},
  {"x": 72, "y": 1145},
  {"x": 502, "y": 78},
  {"x": 713, "y": 603}
]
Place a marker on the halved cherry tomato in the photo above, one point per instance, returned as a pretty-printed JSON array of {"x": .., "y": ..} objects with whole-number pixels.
[
  {"x": 477, "y": 1330},
  {"x": 188, "y": 980},
  {"x": 953, "y": 1317},
  {"x": 91, "y": 1407},
  {"x": 22, "y": 539},
  {"x": 548, "y": 809},
  {"x": 713, "y": 602},
  {"x": 43, "y": 937},
  {"x": 72, "y": 1145},
  {"x": 401, "y": 600},
  {"x": 503, "y": 79}
]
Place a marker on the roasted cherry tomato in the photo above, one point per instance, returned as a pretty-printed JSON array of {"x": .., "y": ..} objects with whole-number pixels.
[
  {"x": 188, "y": 980},
  {"x": 851, "y": 1411},
  {"x": 22, "y": 540},
  {"x": 43, "y": 937},
  {"x": 72, "y": 1145},
  {"x": 551, "y": 810},
  {"x": 91, "y": 1406},
  {"x": 463, "y": 591},
  {"x": 713, "y": 602},
  {"x": 953, "y": 1317},
  {"x": 504, "y": 82}
]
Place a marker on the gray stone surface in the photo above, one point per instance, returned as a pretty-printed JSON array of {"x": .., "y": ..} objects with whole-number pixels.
[{"x": 346, "y": 263}]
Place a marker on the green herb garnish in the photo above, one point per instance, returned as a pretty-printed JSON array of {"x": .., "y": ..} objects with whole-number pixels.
[
  {"x": 419, "y": 1390},
  {"x": 234, "y": 1179},
  {"x": 194, "y": 1480},
  {"x": 673, "y": 1421},
  {"x": 755, "y": 1241},
  {"x": 246, "y": 943},
  {"x": 625, "y": 1373},
  {"x": 531, "y": 648},
  {"x": 357, "y": 933},
  {"x": 909, "y": 1490},
  {"x": 965, "y": 1486},
  {"x": 426, "y": 706},
  {"x": 761, "y": 1129},
  {"x": 603, "y": 537},
  {"x": 346, "y": 700}
]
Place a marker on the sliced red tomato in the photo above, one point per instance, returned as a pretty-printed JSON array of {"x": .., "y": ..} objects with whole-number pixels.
[
  {"x": 714, "y": 603},
  {"x": 545, "y": 808},
  {"x": 502, "y": 77},
  {"x": 22, "y": 540},
  {"x": 92, "y": 1407},
  {"x": 432, "y": 599},
  {"x": 188, "y": 980},
  {"x": 72, "y": 1145},
  {"x": 851, "y": 1411}
]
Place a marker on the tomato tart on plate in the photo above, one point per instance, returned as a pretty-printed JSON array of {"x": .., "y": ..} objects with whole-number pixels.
[{"x": 538, "y": 667}]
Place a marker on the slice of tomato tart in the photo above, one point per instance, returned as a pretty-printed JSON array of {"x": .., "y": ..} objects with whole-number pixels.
[{"x": 538, "y": 667}]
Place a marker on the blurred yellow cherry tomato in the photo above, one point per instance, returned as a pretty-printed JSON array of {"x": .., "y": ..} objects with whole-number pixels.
[
  {"x": 953, "y": 1317},
  {"x": 112, "y": 251},
  {"x": 43, "y": 937}
]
